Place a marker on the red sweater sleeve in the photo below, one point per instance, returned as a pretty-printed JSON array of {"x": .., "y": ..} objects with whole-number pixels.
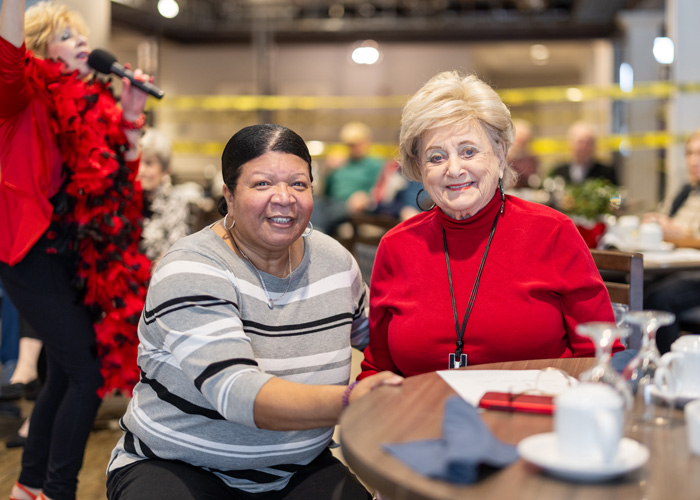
[
  {"x": 583, "y": 296},
  {"x": 14, "y": 93},
  {"x": 377, "y": 353}
]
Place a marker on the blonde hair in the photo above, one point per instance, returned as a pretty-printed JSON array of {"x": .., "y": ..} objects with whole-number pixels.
[
  {"x": 693, "y": 135},
  {"x": 449, "y": 98},
  {"x": 355, "y": 132},
  {"x": 44, "y": 20}
]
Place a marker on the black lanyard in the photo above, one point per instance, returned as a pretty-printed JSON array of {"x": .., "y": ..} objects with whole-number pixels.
[{"x": 458, "y": 359}]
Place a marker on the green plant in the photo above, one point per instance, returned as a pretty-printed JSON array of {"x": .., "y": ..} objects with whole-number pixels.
[{"x": 592, "y": 199}]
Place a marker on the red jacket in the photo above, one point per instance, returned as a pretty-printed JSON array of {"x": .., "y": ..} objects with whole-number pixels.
[{"x": 30, "y": 162}]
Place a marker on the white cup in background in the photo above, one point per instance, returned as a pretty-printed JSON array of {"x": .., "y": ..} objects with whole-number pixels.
[
  {"x": 680, "y": 368},
  {"x": 627, "y": 226},
  {"x": 588, "y": 422},
  {"x": 651, "y": 236},
  {"x": 692, "y": 425}
]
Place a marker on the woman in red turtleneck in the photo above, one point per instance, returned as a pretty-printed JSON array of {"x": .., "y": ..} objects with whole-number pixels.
[{"x": 537, "y": 279}]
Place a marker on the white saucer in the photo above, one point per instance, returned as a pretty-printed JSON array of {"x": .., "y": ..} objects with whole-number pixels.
[
  {"x": 542, "y": 450},
  {"x": 680, "y": 399},
  {"x": 664, "y": 246}
]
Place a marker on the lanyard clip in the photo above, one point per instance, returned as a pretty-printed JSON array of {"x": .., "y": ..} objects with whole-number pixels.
[{"x": 453, "y": 362}]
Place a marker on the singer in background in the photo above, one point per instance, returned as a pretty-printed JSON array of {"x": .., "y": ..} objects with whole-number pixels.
[{"x": 70, "y": 209}]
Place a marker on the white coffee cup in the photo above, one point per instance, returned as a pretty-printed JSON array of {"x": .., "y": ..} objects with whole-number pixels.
[
  {"x": 692, "y": 425},
  {"x": 679, "y": 369},
  {"x": 650, "y": 236},
  {"x": 588, "y": 422}
]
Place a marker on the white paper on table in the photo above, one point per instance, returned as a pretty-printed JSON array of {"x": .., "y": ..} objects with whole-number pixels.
[{"x": 471, "y": 385}]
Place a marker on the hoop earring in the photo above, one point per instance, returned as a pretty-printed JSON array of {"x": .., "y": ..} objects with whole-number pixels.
[
  {"x": 233, "y": 222},
  {"x": 309, "y": 229},
  {"x": 418, "y": 201}
]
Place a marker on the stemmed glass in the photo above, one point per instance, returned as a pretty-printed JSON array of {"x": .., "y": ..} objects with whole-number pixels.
[
  {"x": 641, "y": 369},
  {"x": 620, "y": 310},
  {"x": 603, "y": 334}
]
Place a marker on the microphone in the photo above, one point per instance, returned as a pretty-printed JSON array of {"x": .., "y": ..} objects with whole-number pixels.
[{"x": 104, "y": 62}]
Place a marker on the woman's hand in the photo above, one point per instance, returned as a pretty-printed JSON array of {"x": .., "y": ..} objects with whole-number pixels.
[
  {"x": 671, "y": 228},
  {"x": 133, "y": 102},
  {"x": 367, "y": 385},
  {"x": 12, "y": 21},
  {"x": 134, "y": 99}
]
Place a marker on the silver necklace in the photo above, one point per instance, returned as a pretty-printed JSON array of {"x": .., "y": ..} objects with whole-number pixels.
[{"x": 270, "y": 300}]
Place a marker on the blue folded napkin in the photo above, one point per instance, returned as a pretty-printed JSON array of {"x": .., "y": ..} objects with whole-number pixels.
[
  {"x": 460, "y": 455},
  {"x": 620, "y": 359}
]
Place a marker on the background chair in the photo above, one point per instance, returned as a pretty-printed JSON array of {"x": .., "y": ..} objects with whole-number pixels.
[
  {"x": 623, "y": 274},
  {"x": 367, "y": 231}
]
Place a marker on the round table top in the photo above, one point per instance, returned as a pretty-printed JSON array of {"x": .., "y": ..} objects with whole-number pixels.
[{"x": 414, "y": 411}]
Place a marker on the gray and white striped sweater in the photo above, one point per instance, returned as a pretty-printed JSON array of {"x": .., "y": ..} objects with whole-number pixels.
[{"x": 208, "y": 343}]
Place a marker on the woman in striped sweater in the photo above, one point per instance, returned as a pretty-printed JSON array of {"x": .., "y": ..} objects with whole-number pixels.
[{"x": 246, "y": 342}]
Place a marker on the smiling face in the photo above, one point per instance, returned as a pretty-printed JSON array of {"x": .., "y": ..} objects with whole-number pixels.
[
  {"x": 460, "y": 168},
  {"x": 272, "y": 202},
  {"x": 71, "y": 48}
]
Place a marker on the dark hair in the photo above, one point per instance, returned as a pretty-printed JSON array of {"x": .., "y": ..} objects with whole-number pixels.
[{"x": 252, "y": 142}]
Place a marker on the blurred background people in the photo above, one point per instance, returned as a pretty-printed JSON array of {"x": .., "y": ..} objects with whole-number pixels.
[
  {"x": 682, "y": 220},
  {"x": 393, "y": 194},
  {"x": 167, "y": 207},
  {"x": 246, "y": 341},
  {"x": 583, "y": 165},
  {"x": 69, "y": 230},
  {"x": 348, "y": 184},
  {"x": 442, "y": 279},
  {"x": 520, "y": 156},
  {"x": 679, "y": 292}
]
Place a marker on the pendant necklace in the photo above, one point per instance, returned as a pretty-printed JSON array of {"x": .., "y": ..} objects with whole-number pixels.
[
  {"x": 270, "y": 300},
  {"x": 458, "y": 359}
]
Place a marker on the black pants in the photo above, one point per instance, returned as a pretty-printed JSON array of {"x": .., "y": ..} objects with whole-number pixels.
[
  {"x": 325, "y": 478},
  {"x": 40, "y": 287}
]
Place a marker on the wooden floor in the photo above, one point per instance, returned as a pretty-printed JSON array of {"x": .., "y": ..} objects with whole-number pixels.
[{"x": 91, "y": 482}]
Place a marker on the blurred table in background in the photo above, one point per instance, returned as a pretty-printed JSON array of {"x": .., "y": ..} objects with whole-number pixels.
[{"x": 670, "y": 261}]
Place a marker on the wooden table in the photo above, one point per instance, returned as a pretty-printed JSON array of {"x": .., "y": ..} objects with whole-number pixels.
[{"x": 414, "y": 411}]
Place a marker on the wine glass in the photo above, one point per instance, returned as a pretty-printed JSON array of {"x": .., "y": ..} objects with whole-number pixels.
[
  {"x": 620, "y": 310},
  {"x": 603, "y": 334},
  {"x": 652, "y": 406}
]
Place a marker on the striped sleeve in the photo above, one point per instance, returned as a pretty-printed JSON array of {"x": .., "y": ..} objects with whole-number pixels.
[{"x": 192, "y": 308}]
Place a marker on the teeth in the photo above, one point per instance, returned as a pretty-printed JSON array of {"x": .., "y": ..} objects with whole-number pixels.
[
  {"x": 460, "y": 186},
  {"x": 280, "y": 220}
]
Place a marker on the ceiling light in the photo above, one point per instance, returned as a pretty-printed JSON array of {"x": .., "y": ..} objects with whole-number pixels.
[
  {"x": 366, "y": 53},
  {"x": 168, "y": 8},
  {"x": 663, "y": 50},
  {"x": 316, "y": 147},
  {"x": 539, "y": 54},
  {"x": 574, "y": 94},
  {"x": 626, "y": 77}
]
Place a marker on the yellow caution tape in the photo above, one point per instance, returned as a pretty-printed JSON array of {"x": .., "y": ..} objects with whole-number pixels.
[{"x": 512, "y": 97}]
